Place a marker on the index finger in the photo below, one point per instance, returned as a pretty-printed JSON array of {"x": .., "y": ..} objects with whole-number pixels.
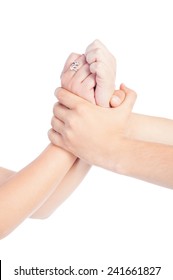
[
  {"x": 72, "y": 57},
  {"x": 95, "y": 45},
  {"x": 68, "y": 99}
]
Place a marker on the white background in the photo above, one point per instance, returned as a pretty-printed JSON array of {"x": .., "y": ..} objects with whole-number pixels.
[{"x": 110, "y": 220}]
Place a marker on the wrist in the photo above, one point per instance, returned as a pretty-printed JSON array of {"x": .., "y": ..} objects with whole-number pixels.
[
  {"x": 112, "y": 157},
  {"x": 122, "y": 156}
]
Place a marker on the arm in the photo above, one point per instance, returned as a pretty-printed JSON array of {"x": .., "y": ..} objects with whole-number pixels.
[
  {"x": 108, "y": 145},
  {"x": 151, "y": 162},
  {"x": 81, "y": 83},
  {"x": 62, "y": 191},
  {"x": 5, "y": 174},
  {"x": 69, "y": 183},
  {"x": 151, "y": 129},
  {"x": 23, "y": 193},
  {"x": 44, "y": 184},
  {"x": 94, "y": 81}
]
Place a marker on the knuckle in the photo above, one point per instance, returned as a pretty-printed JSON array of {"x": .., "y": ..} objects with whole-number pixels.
[
  {"x": 96, "y": 43},
  {"x": 71, "y": 124},
  {"x": 80, "y": 108},
  {"x": 56, "y": 92},
  {"x": 68, "y": 134},
  {"x": 53, "y": 122},
  {"x": 60, "y": 95},
  {"x": 55, "y": 107},
  {"x": 51, "y": 136},
  {"x": 72, "y": 56},
  {"x": 49, "y": 133},
  {"x": 98, "y": 53},
  {"x": 134, "y": 95},
  {"x": 88, "y": 59}
]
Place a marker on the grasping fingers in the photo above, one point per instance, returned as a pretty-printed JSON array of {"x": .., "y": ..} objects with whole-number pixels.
[
  {"x": 60, "y": 111},
  {"x": 71, "y": 58},
  {"x": 68, "y": 100},
  {"x": 103, "y": 65},
  {"x": 77, "y": 78}
]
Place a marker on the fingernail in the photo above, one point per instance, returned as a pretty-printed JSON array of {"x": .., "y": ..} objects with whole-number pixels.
[{"x": 116, "y": 100}]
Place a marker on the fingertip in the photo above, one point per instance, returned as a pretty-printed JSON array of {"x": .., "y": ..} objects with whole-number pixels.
[
  {"x": 60, "y": 93},
  {"x": 57, "y": 90},
  {"x": 128, "y": 90},
  {"x": 123, "y": 86}
]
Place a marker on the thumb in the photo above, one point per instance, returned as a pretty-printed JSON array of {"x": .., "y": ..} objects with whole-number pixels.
[
  {"x": 130, "y": 97},
  {"x": 117, "y": 98}
]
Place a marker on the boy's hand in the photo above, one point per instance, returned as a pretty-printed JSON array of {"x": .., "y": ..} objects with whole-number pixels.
[
  {"x": 92, "y": 133},
  {"x": 103, "y": 65}
]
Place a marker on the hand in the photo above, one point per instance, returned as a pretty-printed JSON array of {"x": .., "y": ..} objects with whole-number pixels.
[
  {"x": 90, "y": 132},
  {"x": 103, "y": 65},
  {"x": 80, "y": 82}
]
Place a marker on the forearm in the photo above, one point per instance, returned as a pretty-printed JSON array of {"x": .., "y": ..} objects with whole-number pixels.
[
  {"x": 28, "y": 189},
  {"x": 151, "y": 129},
  {"x": 63, "y": 190},
  {"x": 151, "y": 162},
  {"x": 5, "y": 175}
]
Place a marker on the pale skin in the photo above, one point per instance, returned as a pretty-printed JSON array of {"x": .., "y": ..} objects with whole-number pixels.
[
  {"x": 38, "y": 189},
  {"x": 116, "y": 139},
  {"x": 95, "y": 82},
  {"x": 22, "y": 193}
]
